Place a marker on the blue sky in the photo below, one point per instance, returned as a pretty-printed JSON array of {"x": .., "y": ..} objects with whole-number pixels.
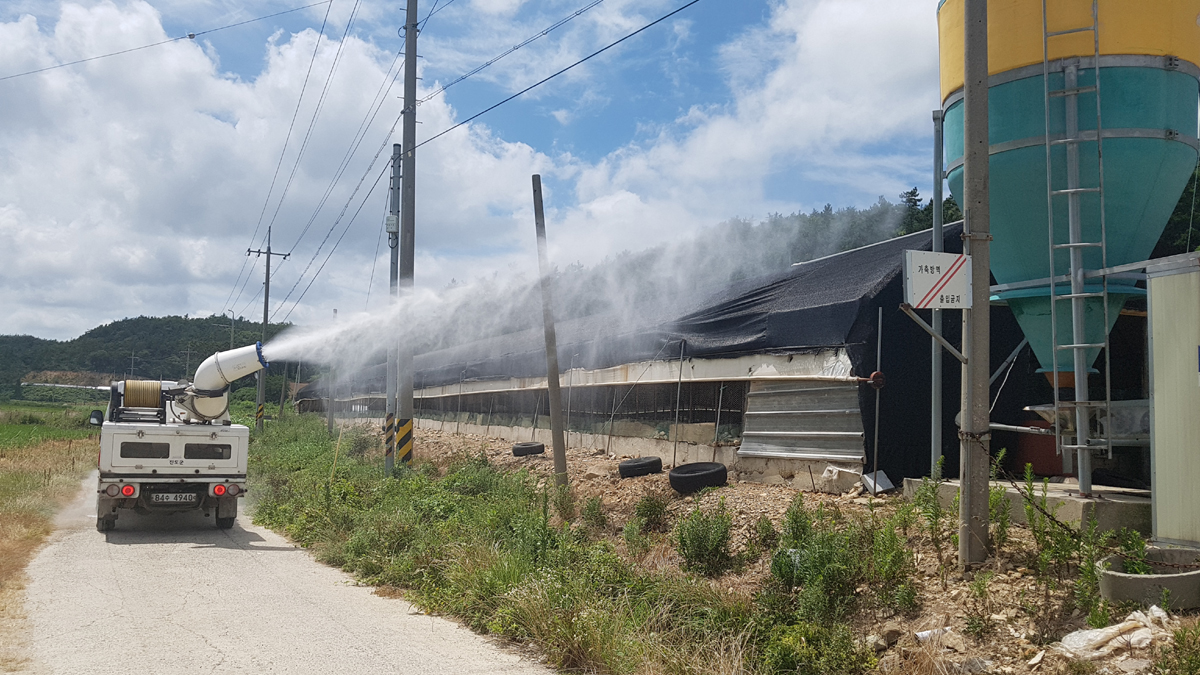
[{"x": 131, "y": 185}]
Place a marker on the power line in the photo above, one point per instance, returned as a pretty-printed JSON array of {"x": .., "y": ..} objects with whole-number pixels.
[
  {"x": 512, "y": 49},
  {"x": 442, "y": 133},
  {"x": 378, "y": 242},
  {"x": 287, "y": 138},
  {"x": 316, "y": 111},
  {"x": 189, "y": 36},
  {"x": 551, "y": 77},
  {"x": 359, "y": 135},
  {"x": 433, "y": 11},
  {"x": 336, "y": 243}
]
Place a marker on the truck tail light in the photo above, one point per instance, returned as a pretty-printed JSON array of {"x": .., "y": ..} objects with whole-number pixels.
[
  {"x": 128, "y": 490},
  {"x": 234, "y": 489},
  {"x": 219, "y": 490},
  {"x": 112, "y": 490}
]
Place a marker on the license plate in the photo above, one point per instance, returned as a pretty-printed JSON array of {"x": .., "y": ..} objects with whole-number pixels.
[{"x": 173, "y": 497}]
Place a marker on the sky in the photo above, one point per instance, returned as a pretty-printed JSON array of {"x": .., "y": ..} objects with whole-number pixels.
[{"x": 134, "y": 184}]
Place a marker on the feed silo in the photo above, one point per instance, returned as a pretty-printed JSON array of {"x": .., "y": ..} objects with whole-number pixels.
[{"x": 1092, "y": 133}]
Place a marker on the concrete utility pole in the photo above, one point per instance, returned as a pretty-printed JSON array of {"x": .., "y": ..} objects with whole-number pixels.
[
  {"x": 974, "y": 455},
  {"x": 393, "y": 230},
  {"x": 552, "y": 375},
  {"x": 935, "y": 416},
  {"x": 262, "y": 374},
  {"x": 408, "y": 206}
]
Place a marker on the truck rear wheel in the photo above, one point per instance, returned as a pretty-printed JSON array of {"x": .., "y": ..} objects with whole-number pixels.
[
  {"x": 226, "y": 523},
  {"x": 105, "y": 518},
  {"x": 106, "y": 524}
]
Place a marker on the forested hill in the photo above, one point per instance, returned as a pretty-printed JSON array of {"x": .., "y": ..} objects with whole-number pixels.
[{"x": 165, "y": 347}]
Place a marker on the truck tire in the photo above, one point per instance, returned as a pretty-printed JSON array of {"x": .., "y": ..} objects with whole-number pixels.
[
  {"x": 639, "y": 466},
  {"x": 528, "y": 448},
  {"x": 106, "y": 524},
  {"x": 687, "y": 478},
  {"x": 226, "y": 523}
]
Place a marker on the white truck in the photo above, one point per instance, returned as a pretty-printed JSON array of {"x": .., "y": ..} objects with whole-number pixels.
[{"x": 167, "y": 447}]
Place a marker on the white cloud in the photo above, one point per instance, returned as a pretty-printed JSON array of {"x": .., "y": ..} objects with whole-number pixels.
[{"x": 130, "y": 185}]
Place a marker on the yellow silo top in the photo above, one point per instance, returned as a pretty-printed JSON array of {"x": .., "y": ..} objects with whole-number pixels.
[{"x": 1145, "y": 27}]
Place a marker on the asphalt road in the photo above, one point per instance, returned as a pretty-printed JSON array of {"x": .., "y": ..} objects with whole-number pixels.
[{"x": 173, "y": 594}]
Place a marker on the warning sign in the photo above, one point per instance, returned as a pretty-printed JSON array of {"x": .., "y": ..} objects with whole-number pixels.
[{"x": 937, "y": 280}]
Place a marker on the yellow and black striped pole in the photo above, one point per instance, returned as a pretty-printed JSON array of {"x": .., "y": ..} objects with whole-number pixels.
[
  {"x": 389, "y": 438},
  {"x": 258, "y": 416},
  {"x": 404, "y": 442}
]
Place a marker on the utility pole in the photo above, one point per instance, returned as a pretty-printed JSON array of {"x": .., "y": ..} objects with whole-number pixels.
[
  {"x": 552, "y": 384},
  {"x": 408, "y": 193},
  {"x": 262, "y": 374},
  {"x": 935, "y": 402},
  {"x": 393, "y": 229},
  {"x": 187, "y": 361},
  {"x": 975, "y": 433}
]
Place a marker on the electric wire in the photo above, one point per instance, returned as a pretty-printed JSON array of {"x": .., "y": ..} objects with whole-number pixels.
[
  {"x": 286, "y": 140},
  {"x": 350, "y": 152},
  {"x": 551, "y": 77},
  {"x": 444, "y": 132},
  {"x": 317, "y": 110},
  {"x": 336, "y": 243},
  {"x": 378, "y": 243},
  {"x": 433, "y": 11},
  {"x": 359, "y": 135},
  {"x": 510, "y": 50},
  {"x": 189, "y": 36}
]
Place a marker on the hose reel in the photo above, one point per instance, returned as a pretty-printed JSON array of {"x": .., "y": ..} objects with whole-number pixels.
[{"x": 143, "y": 394}]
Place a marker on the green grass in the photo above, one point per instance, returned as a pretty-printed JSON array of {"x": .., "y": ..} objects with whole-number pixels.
[
  {"x": 23, "y": 423},
  {"x": 489, "y": 548}
]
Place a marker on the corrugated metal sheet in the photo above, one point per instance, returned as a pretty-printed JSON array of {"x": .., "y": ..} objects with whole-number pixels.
[
  {"x": 1175, "y": 405},
  {"x": 803, "y": 420}
]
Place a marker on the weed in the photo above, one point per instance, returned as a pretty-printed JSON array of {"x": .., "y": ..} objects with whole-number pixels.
[
  {"x": 1182, "y": 657},
  {"x": 999, "y": 512},
  {"x": 593, "y": 513},
  {"x": 636, "y": 541},
  {"x": 979, "y": 606},
  {"x": 938, "y": 521},
  {"x": 1133, "y": 552},
  {"x": 830, "y": 560},
  {"x": 1164, "y": 600},
  {"x": 652, "y": 509},
  {"x": 815, "y": 649},
  {"x": 564, "y": 503},
  {"x": 702, "y": 540},
  {"x": 765, "y": 535},
  {"x": 905, "y": 516}
]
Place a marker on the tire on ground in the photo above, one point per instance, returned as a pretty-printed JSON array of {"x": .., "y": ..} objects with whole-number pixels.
[
  {"x": 687, "y": 478},
  {"x": 639, "y": 466},
  {"x": 225, "y": 523},
  {"x": 527, "y": 448}
]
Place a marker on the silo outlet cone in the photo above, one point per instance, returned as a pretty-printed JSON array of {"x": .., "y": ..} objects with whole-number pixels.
[{"x": 1148, "y": 92}]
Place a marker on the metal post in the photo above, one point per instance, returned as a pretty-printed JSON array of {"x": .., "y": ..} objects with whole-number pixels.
[
  {"x": 878, "y": 360},
  {"x": 231, "y": 319},
  {"x": 678, "y": 390},
  {"x": 552, "y": 383},
  {"x": 393, "y": 231},
  {"x": 974, "y": 433},
  {"x": 1083, "y": 455},
  {"x": 935, "y": 402},
  {"x": 570, "y": 385},
  {"x": 408, "y": 193}
]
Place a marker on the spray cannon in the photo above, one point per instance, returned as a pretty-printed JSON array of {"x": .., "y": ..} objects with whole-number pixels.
[{"x": 205, "y": 399}]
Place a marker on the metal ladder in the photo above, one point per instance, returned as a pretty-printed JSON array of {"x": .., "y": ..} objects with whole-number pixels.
[{"x": 1083, "y": 444}]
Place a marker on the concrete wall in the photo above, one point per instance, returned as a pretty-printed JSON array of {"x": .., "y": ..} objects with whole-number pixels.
[{"x": 820, "y": 476}]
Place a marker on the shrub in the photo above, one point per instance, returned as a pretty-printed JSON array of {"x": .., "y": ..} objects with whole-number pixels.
[
  {"x": 999, "y": 511},
  {"x": 702, "y": 540},
  {"x": 813, "y": 649},
  {"x": 652, "y": 509}
]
